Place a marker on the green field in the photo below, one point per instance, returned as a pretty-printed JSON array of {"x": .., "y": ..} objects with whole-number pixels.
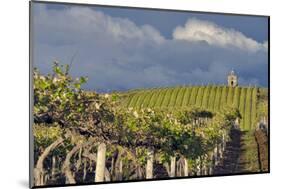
[{"x": 214, "y": 98}]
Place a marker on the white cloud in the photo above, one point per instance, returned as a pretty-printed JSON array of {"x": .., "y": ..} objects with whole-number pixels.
[
  {"x": 200, "y": 30},
  {"x": 265, "y": 44},
  {"x": 118, "y": 28},
  {"x": 88, "y": 22}
]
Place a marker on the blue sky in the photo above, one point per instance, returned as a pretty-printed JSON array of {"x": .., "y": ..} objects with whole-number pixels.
[{"x": 121, "y": 49}]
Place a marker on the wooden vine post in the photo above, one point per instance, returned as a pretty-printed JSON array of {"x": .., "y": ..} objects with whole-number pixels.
[
  {"x": 149, "y": 163},
  {"x": 210, "y": 165},
  {"x": 173, "y": 166},
  {"x": 100, "y": 165},
  {"x": 216, "y": 156},
  {"x": 185, "y": 167}
]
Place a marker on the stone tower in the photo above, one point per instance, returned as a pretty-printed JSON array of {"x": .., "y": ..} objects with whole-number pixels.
[{"x": 232, "y": 79}]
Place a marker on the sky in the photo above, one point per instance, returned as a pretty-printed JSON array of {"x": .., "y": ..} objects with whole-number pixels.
[{"x": 123, "y": 49}]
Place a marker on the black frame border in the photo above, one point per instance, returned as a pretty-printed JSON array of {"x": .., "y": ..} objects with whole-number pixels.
[{"x": 31, "y": 144}]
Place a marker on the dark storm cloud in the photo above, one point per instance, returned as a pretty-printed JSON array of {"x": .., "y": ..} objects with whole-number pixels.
[{"x": 117, "y": 54}]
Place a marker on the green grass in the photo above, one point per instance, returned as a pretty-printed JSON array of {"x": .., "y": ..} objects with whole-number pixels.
[
  {"x": 167, "y": 98},
  {"x": 230, "y": 94},
  {"x": 193, "y": 96},
  {"x": 217, "y": 98},
  {"x": 154, "y": 98},
  {"x": 248, "y": 108},
  {"x": 242, "y": 106},
  {"x": 180, "y": 96},
  {"x": 199, "y": 97},
  {"x": 249, "y": 156},
  {"x": 206, "y": 97},
  {"x": 254, "y": 108},
  {"x": 223, "y": 98},
  {"x": 214, "y": 98},
  {"x": 159, "y": 100},
  {"x": 236, "y": 97},
  {"x": 186, "y": 96},
  {"x": 174, "y": 96}
]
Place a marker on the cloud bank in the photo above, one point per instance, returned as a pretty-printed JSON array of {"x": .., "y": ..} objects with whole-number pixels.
[
  {"x": 117, "y": 54},
  {"x": 199, "y": 30}
]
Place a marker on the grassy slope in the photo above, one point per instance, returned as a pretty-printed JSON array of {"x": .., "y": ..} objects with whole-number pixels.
[{"x": 214, "y": 98}]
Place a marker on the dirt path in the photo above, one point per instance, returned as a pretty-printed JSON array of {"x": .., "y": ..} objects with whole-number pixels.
[{"x": 241, "y": 154}]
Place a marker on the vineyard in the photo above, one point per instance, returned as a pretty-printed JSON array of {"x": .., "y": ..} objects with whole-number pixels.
[
  {"x": 86, "y": 137},
  {"x": 211, "y": 98}
]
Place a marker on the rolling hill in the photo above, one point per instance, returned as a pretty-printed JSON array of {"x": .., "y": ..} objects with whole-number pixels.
[{"x": 214, "y": 98}]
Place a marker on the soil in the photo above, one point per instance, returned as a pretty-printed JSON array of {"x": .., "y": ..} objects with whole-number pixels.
[
  {"x": 262, "y": 141},
  {"x": 246, "y": 152},
  {"x": 231, "y": 157}
]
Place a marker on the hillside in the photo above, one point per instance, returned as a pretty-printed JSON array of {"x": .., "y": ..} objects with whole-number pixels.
[{"x": 214, "y": 98}]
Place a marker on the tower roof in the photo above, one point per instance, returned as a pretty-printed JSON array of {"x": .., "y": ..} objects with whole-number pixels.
[{"x": 232, "y": 72}]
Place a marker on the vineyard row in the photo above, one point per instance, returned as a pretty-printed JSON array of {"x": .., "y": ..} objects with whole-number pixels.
[{"x": 213, "y": 98}]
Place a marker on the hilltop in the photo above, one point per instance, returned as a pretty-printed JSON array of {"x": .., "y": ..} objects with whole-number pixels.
[{"x": 250, "y": 101}]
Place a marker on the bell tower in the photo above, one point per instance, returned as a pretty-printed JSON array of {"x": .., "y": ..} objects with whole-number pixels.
[{"x": 232, "y": 79}]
